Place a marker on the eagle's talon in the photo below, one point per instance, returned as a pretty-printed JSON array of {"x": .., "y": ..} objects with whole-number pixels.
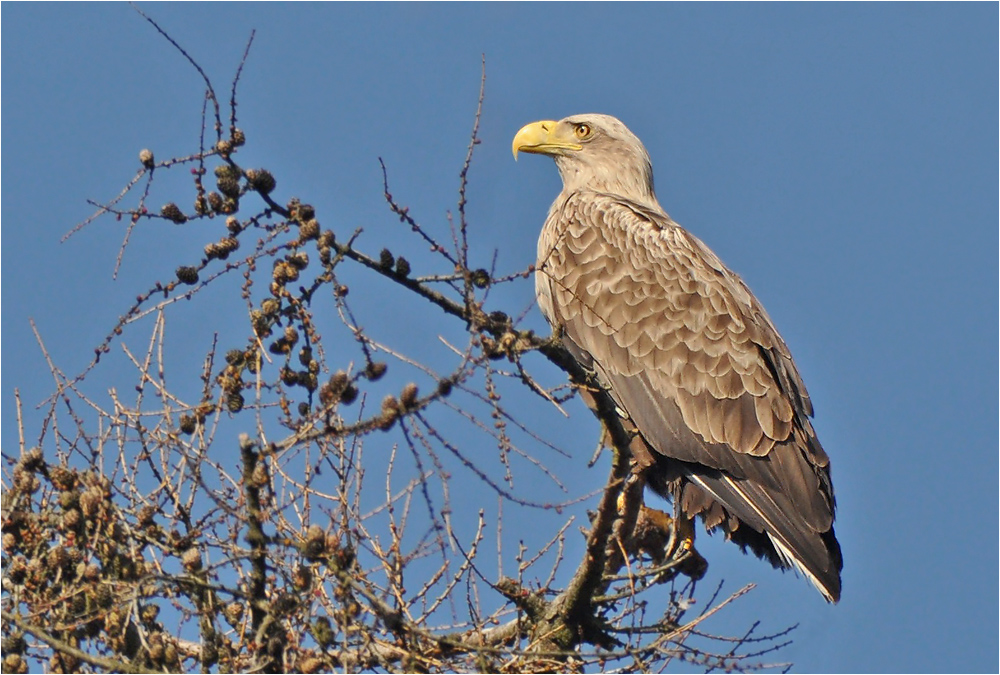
[{"x": 633, "y": 483}]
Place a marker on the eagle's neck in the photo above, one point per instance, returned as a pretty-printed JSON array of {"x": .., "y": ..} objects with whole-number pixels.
[{"x": 631, "y": 179}]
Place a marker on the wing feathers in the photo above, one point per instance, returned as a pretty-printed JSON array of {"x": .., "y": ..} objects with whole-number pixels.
[{"x": 691, "y": 356}]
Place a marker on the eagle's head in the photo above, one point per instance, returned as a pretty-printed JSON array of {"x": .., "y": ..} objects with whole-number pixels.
[{"x": 592, "y": 152}]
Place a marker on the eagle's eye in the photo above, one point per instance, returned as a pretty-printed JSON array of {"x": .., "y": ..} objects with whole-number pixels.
[{"x": 583, "y": 131}]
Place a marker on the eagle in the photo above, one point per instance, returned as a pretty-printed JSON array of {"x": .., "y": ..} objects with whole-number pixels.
[{"x": 694, "y": 364}]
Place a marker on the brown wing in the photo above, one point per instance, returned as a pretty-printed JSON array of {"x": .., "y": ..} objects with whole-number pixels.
[{"x": 695, "y": 362}]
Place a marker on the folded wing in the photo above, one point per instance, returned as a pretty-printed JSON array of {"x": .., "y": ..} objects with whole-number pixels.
[{"x": 695, "y": 363}]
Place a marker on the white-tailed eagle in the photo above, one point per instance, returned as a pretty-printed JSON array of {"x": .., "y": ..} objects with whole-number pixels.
[{"x": 689, "y": 355}]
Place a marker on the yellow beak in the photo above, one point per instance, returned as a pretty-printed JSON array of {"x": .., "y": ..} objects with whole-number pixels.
[{"x": 544, "y": 138}]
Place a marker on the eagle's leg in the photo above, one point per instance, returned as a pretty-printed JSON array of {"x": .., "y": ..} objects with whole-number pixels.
[
  {"x": 632, "y": 489},
  {"x": 641, "y": 462},
  {"x": 681, "y": 544},
  {"x": 682, "y": 538},
  {"x": 662, "y": 537}
]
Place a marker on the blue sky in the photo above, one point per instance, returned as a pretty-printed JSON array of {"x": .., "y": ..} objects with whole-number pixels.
[{"x": 841, "y": 158}]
